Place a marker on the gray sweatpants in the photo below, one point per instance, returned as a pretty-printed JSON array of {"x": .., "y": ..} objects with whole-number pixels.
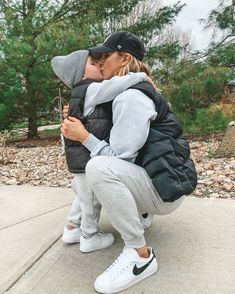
[
  {"x": 90, "y": 207},
  {"x": 123, "y": 189}
]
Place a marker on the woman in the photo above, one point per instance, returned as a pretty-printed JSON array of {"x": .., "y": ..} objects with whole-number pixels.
[
  {"x": 91, "y": 102},
  {"x": 144, "y": 167}
]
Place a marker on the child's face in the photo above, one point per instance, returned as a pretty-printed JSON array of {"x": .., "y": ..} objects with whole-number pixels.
[{"x": 92, "y": 70}]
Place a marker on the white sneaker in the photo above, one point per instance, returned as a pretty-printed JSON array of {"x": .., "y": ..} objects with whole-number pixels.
[
  {"x": 98, "y": 241},
  {"x": 71, "y": 236},
  {"x": 128, "y": 269},
  {"x": 146, "y": 219}
]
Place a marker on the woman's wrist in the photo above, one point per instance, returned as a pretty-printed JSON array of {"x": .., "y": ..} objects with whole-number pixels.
[{"x": 83, "y": 136}]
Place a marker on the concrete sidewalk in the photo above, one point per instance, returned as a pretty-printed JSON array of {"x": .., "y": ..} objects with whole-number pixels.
[{"x": 194, "y": 245}]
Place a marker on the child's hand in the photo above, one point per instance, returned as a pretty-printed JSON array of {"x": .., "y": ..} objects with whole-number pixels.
[
  {"x": 65, "y": 111},
  {"x": 150, "y": 81}
]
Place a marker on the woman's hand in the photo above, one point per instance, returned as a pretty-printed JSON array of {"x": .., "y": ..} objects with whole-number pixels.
[
  {"x": 65, "y": 111},
  {"x": 73, "y": 129}
]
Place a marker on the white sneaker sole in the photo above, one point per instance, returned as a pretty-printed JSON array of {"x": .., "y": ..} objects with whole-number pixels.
[
  {"x": 70, "y": 241},
  {"x": 137, "y": 280}
]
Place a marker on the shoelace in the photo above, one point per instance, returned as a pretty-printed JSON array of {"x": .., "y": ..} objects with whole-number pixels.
[
  {"x": 100, "y": 233},
  {"x": 119, "y": 264}
]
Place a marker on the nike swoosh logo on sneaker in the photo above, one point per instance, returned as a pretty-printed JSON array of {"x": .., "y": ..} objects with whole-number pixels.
[{"x": 138, "y": 270}]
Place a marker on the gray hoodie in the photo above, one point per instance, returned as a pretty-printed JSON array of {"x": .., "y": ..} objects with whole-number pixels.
[{"x": 132, "y": 113}]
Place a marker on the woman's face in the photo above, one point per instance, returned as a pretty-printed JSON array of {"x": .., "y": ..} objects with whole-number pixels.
[
  {"x": 110, "y": 63},
  {"x": 92, "y": 70}
]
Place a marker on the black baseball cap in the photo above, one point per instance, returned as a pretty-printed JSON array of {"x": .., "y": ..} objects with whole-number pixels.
[{"x": 122, "y": 42}]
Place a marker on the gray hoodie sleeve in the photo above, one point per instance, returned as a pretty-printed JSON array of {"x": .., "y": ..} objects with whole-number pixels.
[
  {"x": 107, "y": 90},
  {"x": 132, "y": 113}
]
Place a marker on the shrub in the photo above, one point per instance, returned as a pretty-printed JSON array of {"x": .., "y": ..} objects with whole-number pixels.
[
  {"x": 208, "y": 120},
  {"x": 192, "y": 89}
]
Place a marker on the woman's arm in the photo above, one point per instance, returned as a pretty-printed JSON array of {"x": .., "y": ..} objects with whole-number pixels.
[
  {"x": 107, "y": 90},
  {"x": 132, "y": 114}
]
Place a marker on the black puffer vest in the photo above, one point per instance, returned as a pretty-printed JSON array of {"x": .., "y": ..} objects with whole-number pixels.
[
  {"x": 99, "y": 123},
  {"x": 166, "y": 153}
]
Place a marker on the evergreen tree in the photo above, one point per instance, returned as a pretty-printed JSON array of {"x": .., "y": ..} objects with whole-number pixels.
[
  {"x": 34, "y": 31},
  {"x": 222, "y": 20}
]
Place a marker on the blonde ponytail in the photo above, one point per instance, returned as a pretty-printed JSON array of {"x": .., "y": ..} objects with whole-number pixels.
[{"x": 134, "y": 65}]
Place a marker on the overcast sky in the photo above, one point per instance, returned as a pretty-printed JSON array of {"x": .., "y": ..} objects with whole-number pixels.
[{"x": 189, "y": 18}]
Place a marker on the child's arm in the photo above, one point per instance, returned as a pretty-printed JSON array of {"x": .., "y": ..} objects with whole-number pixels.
[{"x": 107, "y": 90}]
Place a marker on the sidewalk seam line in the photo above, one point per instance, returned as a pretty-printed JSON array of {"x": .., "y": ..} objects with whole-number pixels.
[
  {"x": 33, "y": 263},
  {"x": 24, "y": 220}
]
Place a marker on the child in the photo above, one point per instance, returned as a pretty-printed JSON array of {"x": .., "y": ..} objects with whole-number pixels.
[{"x": 91, "y": 102}]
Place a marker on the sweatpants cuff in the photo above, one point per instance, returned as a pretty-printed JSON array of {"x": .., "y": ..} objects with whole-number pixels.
[{"x": 135, "y": 243}]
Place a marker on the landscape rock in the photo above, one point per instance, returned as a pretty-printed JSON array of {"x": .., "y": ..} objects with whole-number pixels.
[
  {"x": 45, "y": 166},
  {"x": 11, "y": 182}
]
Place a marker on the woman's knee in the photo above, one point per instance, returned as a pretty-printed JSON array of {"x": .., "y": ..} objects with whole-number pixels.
[{"x": 95, "y": 168}]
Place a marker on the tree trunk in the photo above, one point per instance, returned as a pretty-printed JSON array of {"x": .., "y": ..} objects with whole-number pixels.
[
  {"x": 32, "y": 120},
  {"x": 32, "y": 128},
  {"x": 32, "y": 112},
  {"x": 227, "y": 146},
  {"x": 29, "y": 8}
]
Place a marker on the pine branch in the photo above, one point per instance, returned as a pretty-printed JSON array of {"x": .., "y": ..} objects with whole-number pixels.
[
  {"x": 213, "y": 49},
  {"x": 59, "y": 16}
]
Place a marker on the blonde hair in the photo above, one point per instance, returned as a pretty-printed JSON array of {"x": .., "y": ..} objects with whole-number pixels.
[{"x": 133, "y": 65}]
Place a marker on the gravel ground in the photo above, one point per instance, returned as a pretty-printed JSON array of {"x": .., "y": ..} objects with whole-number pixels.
[{"x": 45, "y": 166}]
